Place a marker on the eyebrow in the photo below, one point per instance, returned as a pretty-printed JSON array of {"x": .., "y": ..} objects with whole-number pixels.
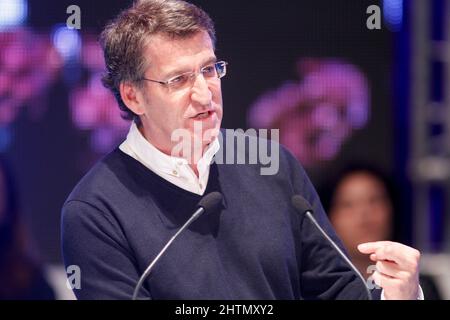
[{"x": 179, "y": 71}]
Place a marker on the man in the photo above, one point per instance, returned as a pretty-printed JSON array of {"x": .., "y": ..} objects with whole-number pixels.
[{"x": 162, "y": 68}]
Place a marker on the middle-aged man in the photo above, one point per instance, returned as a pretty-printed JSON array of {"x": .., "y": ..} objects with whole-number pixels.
[{"x": 162, "y": 68}]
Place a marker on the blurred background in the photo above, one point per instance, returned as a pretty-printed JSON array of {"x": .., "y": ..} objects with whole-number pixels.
[{"x": 343, "y": 96}]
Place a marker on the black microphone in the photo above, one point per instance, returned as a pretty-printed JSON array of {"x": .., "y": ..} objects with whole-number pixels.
[
  {"x": 304, "y": 207},
  {"x": 208, "y": 203}
]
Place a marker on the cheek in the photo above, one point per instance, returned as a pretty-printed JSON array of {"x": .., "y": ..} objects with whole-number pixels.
[
  {"x": 216, "y": 93},
  {"x": 342, "y": 221},
  {"x": 219, "y": 113},
  {"x": 180, "y": 111},
  {"x": 381, "y": 220},
  {"x": 217, "y": 101}
]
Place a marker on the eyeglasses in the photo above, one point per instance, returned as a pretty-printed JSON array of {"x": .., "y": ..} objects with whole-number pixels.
[{"x": 210, "y": 72}]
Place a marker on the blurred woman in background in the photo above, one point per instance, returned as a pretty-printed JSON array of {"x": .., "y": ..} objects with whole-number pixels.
[
  {"x": 20, "y": 276},
  {"x": 362, "y": 207}
]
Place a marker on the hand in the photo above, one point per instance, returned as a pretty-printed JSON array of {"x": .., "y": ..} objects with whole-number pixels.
[{"x": 397, "y": 268}]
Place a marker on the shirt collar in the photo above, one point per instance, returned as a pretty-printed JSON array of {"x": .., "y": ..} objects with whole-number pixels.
[{"x": 152, "y": 157}]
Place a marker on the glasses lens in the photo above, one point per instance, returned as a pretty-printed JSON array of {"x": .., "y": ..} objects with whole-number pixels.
[
  {"x": 209, "y": 71},
  {"x": 179, "y": 82},
  {"x": 221, "y": 68}
]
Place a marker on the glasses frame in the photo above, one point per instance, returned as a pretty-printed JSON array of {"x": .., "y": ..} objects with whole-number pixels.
[{"x": 193, "y": 75}]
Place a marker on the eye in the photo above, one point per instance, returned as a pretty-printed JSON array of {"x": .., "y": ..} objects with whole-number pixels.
[
  {"x": 179, "y": 81},
  {"x": 209, "y": 71}
]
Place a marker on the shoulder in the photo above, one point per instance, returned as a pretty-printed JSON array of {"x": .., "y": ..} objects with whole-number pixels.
[{"x": 107, "y": 177}]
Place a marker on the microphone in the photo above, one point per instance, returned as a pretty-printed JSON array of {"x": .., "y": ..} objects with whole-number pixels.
[
  {"x": 208, "y": 203},
  {"x": 304, "y": 207}
]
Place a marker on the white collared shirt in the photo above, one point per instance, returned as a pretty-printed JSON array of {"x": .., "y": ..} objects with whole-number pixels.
[{"x": 173, "y": 169}]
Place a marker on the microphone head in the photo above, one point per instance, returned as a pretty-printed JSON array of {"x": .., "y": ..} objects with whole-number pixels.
[
  {"x": 211, "y": 201},
  {"x": 301, "y": 204}
]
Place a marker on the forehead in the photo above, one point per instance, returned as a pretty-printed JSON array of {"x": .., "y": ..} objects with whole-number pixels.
[
  {"x": 359, "y": 183},
  {"x": 164, "y": 53}
]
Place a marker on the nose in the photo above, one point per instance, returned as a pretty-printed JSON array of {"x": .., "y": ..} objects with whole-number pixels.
[{"x": 201, "y": 93}]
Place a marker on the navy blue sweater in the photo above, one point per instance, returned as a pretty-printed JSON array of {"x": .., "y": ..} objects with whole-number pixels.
[{"x": 121, "y": 214}]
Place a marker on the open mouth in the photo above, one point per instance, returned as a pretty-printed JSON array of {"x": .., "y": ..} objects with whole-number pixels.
[{"x": 203, "y": 115}]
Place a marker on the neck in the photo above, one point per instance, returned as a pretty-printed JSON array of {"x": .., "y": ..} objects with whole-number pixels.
[
  {"x": 194, "y": 168},
  {"x": 186, "y": 149}
]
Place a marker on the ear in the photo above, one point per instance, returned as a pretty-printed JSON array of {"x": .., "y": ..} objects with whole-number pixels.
[{"x": 132, "y": 98}]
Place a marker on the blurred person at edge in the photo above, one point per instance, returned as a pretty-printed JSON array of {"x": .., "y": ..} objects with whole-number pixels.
[
  {"x": 363, "y": 207},
  {"x": 21, "y": 277}
]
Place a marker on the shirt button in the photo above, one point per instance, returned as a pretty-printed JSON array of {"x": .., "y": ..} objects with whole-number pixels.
[
  {"x": 201, "y": 186},
  {"x": 175, "y": 172}
]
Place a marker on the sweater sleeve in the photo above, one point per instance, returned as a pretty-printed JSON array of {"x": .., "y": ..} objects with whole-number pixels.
[
  {"x": 324, "y": 274},
  {"x": 93, "y": 241}
]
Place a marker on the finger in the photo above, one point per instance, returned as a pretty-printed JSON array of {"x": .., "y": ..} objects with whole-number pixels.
[
  {"x": 390, "y": 269},
  {"x": 371, "y": 247},
  {"x": 403, "y": 255},
  {"x": 373, "y": 257},
  {"x": 382, "y": 280}
]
